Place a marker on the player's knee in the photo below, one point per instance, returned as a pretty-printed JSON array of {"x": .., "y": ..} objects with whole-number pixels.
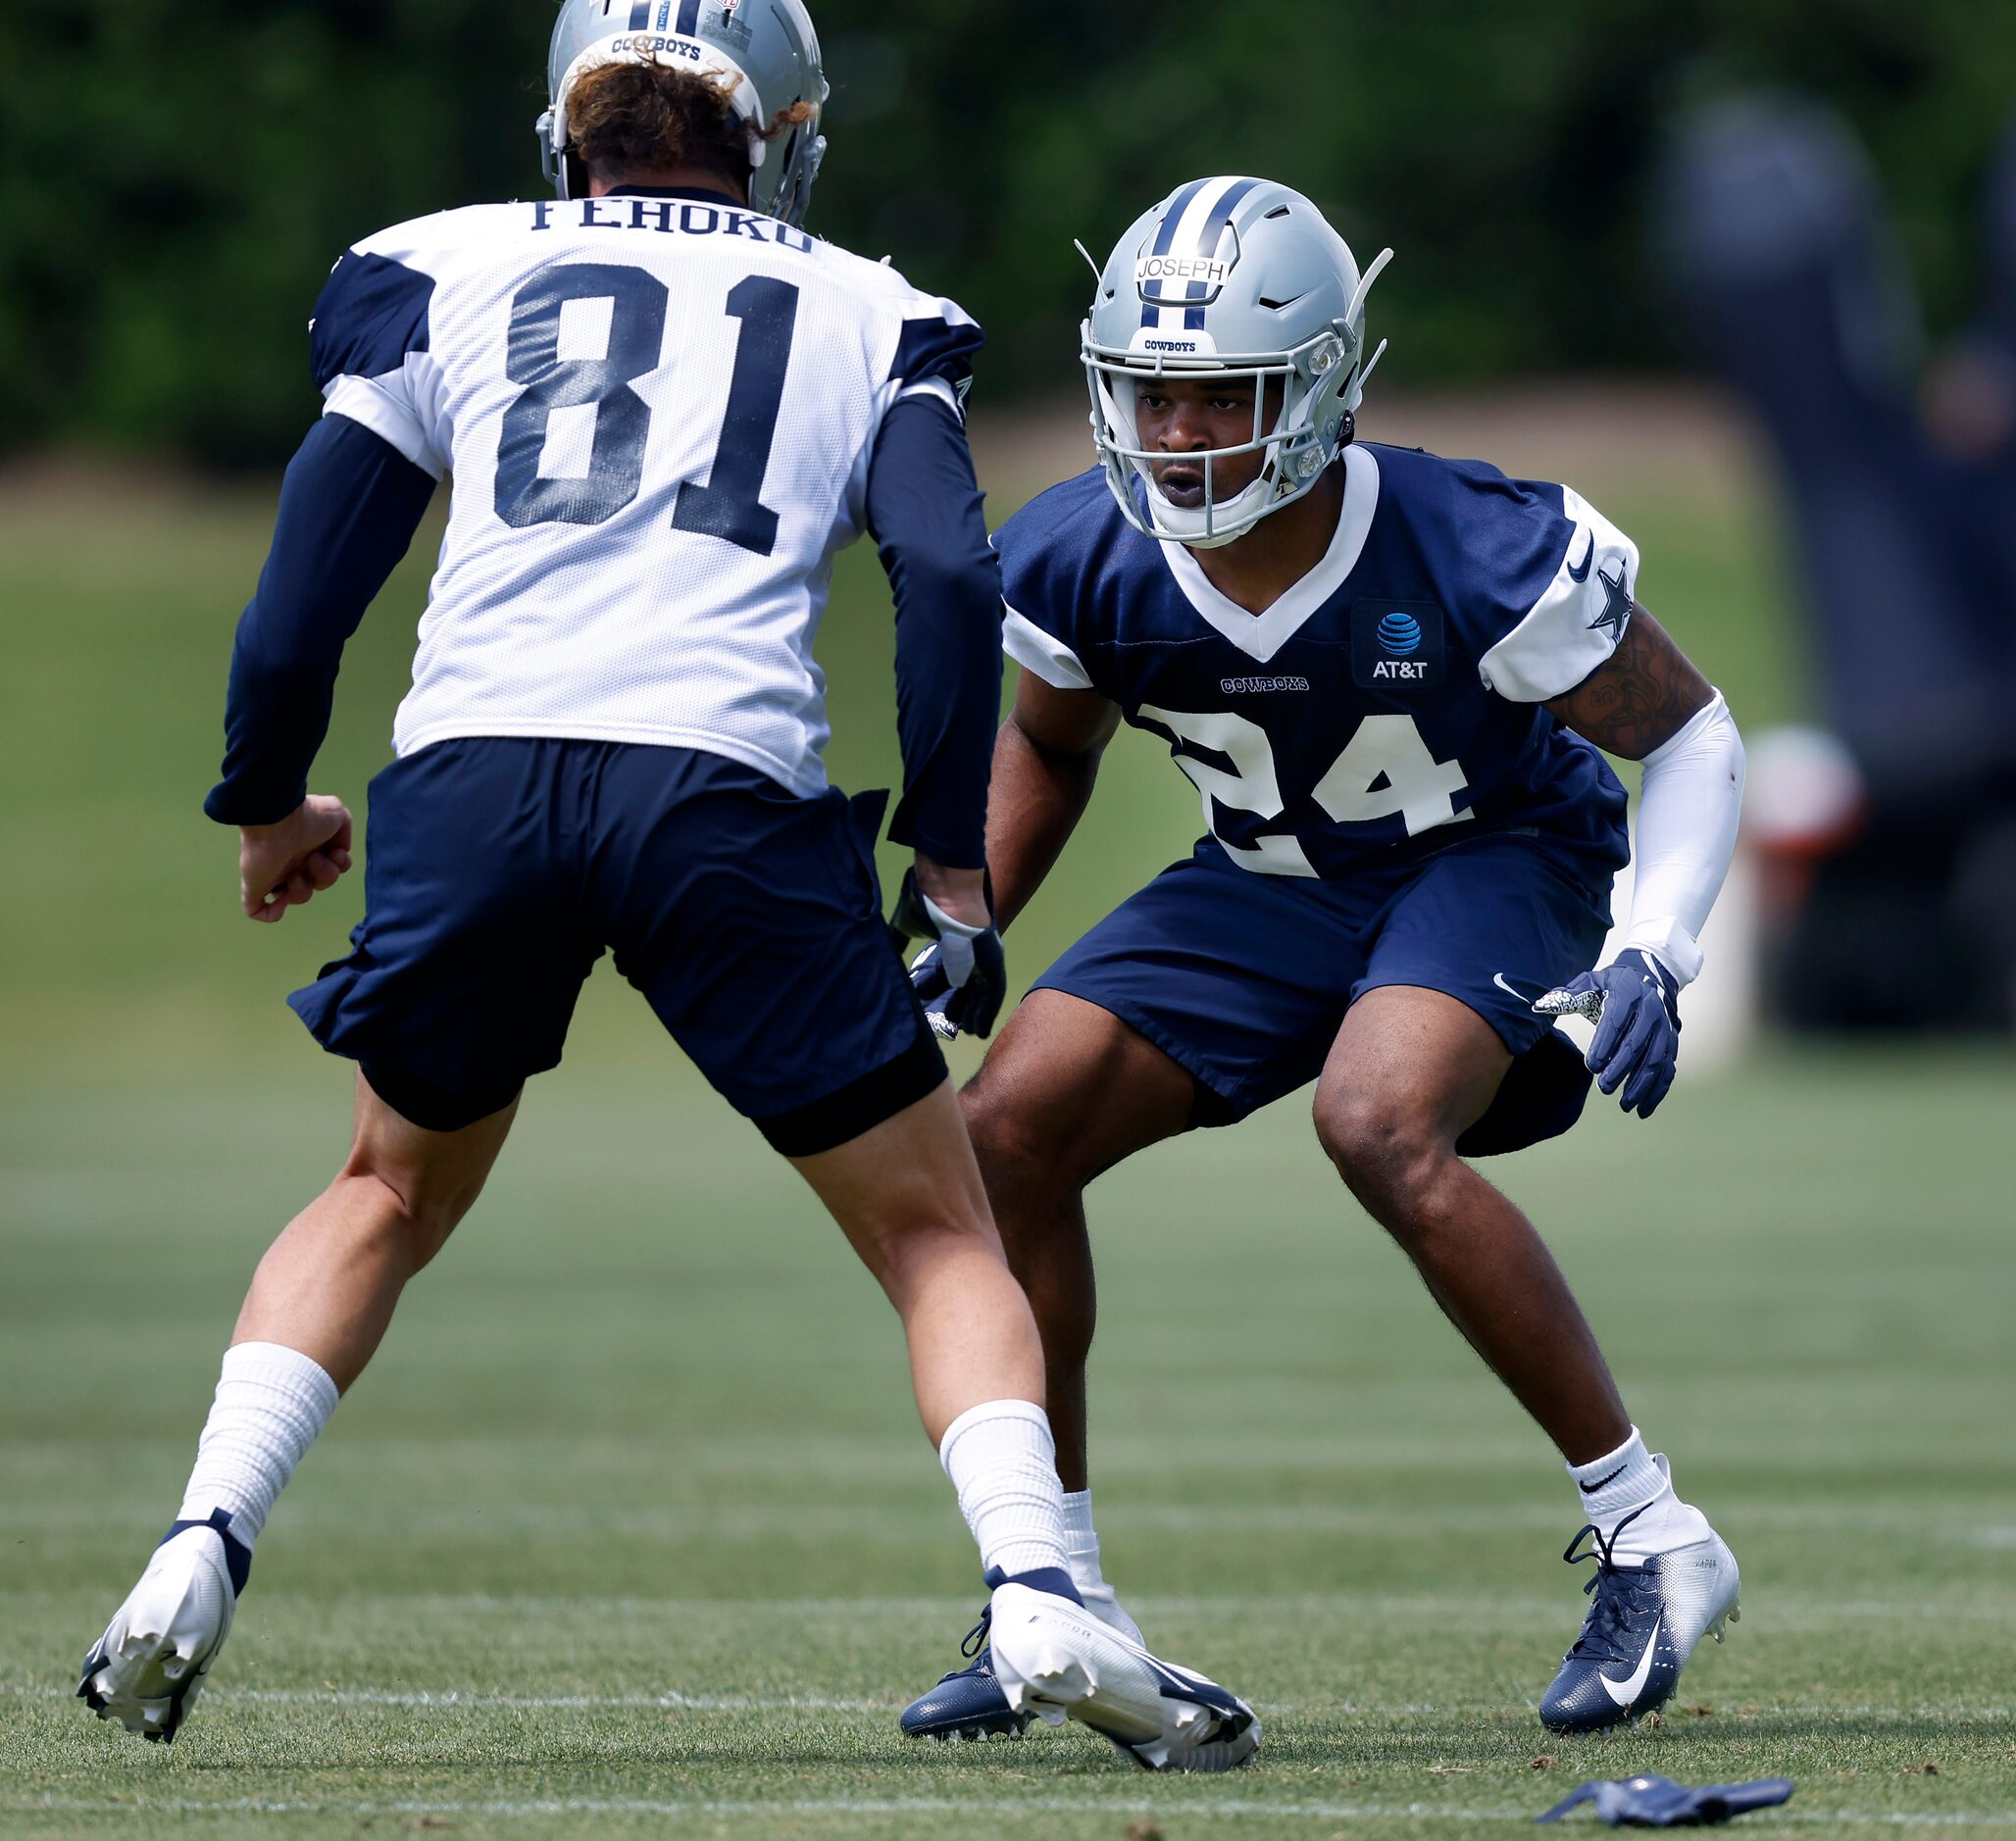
[
  {"x": 1021, "y": 1159},
  {"x": 413, "y": 1215},
  {"x": 1384, "y": 1146},
  {"x": 1032, "y": 1184},
  {"x": 910, "y": 1244},
  {"x": 917, "y": 1216}
]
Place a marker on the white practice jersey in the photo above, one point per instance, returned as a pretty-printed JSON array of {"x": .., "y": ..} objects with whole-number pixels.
[{"x": 658, "y": 409}]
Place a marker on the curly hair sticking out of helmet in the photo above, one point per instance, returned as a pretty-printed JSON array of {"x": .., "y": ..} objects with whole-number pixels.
[{"x": 627, "y": 119}]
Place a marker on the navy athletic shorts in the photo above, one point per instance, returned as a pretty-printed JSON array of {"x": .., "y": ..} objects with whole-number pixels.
[
  {"x": 1243, "y": 979},
  {"x": 497, "y": 870}
]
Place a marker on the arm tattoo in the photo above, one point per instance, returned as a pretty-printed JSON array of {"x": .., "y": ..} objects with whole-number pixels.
[{"x": 1641, "y": 697}]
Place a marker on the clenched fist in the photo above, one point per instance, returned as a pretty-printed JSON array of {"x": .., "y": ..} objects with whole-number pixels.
[{"x": 282, "y": 865}]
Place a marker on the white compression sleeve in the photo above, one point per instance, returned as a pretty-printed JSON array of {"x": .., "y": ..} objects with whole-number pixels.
[{"x": 1687, "y": 812}]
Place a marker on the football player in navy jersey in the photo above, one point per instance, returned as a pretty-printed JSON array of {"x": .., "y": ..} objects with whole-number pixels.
[
  {"x": 665, "y": 407},
  {"x": 1392, "y": 678}
]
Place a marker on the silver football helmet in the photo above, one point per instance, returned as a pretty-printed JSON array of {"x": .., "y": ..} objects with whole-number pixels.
[
  {"x": 765, "y": 49},
  {"x": 1234, "y": 277}
]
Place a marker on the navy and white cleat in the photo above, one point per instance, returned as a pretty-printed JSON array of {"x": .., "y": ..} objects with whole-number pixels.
[
  {"x": 1642, "y": 1625},
  {"x": 968, "y": 1703},
  {"x": 1056, "y": 1660},
  {"x": 148, "y": 1668}
]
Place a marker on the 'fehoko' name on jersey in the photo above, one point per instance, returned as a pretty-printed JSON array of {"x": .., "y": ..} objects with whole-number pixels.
[{"x": 673, "y": 216}]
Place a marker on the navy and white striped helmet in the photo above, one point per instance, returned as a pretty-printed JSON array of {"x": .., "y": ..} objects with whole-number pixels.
[
  {"x": 1230, "y": 277},
  {"x": 765, "y": 49}
]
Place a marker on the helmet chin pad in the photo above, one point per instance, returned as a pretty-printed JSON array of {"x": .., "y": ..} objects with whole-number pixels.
[
  {"x": 1217, "y": 522},
  {"x": 1214, "y": 523}
]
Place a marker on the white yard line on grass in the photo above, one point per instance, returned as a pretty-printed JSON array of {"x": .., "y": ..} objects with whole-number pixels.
[
  {"x": 671, "y": 1700},
  {"x": 1230, "y": 1809},
  {"x": 742, "y": 1521},
  {"x": 1786, "y": 1610},
  {"x": 1974, "y": 1599},
  {"x": 674, "y": 1699}
]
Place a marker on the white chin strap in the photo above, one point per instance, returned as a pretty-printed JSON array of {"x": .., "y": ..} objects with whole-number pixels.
[
  {"x": 1210, "y": 526},
  {"x": 710, "y": 63},
  {"x": 1207, "y": 527}
]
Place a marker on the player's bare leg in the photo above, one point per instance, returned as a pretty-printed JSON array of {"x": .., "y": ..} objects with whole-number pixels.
[
  {"x": 327, "y": 1286},
  {"x": 1068, "y": 1091},
  {"x": 1410, "y": 1071},
  {"x": 318, "y": 1305},
  {"x": 908, "y": 1196}
]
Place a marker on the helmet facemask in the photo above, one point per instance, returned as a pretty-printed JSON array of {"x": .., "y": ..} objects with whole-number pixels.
[{"x": 1319, "y": 385}]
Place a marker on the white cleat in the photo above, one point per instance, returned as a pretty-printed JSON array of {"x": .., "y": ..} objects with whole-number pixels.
[
  {"x": 1054, "y": 1660},
  {"x": 148, "y": 1668}
]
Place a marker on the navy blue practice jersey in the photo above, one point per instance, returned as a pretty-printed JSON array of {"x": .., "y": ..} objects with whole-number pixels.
[{"x": 1394, "y": 692}]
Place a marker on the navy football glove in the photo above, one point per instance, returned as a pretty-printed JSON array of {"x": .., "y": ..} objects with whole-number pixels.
[
  {"x": 1635, "y": 1003},
  {"x": 962, "y": 975},
  {"x": 1659, "y": 1803}
]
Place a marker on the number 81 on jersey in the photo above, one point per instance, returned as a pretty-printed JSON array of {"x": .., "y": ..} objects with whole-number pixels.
[{"x": 727, "y": 506}]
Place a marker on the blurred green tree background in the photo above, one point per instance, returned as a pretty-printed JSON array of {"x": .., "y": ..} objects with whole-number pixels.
[{"x": 175, "y": 180}]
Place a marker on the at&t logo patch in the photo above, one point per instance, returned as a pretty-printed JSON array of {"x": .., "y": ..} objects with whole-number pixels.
[{"x": 1396, "y": 646}]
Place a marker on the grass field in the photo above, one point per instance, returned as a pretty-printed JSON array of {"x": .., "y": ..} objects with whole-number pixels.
[
  {"x": 630, "y": 1521},
  {"x": 630, "y": 1529}
]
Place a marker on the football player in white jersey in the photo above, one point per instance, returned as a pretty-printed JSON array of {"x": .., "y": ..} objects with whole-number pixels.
[{"x": 665, "y": 407}]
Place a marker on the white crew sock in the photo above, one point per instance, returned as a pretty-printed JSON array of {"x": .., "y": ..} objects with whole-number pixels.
[
  {"x": 1003, "y": 1463},
  {"x": 1628, "y": 1479},
  {"x": 1081, "y": 1549},
  {"x": 271, "y": 1403}
]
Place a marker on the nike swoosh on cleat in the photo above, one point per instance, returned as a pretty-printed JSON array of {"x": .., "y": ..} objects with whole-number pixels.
[
  {"x": 1589, "y": 556},
  {"x": 1590, "y": 1489},
  {"x": 1175, "y": 1685},
  {"x": 1624, "y": 1693}
]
